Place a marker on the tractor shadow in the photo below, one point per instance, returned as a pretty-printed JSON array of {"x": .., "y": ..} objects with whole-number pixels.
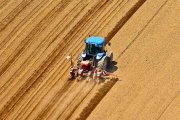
[
  {"x": 113, "y": 67},
  {"x": 110, "y": 69}
]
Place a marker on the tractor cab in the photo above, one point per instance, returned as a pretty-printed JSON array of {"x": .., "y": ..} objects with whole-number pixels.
[
  {"x": 94, "y": 48},
  {"x": 94, "y": 54}
]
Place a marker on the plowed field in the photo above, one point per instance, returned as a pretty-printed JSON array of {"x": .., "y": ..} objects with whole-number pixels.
[{"x": 37, "y": 35}]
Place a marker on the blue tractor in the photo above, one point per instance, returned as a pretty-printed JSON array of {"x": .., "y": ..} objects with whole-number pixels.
[{"x": 96, "y": 53}]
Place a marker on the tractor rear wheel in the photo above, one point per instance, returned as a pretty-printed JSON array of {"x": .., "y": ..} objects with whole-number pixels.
[
  {"x": 103, "y": 63},
  {"x": 106, "y": 62},
  {"x": 79, "y": 60}
]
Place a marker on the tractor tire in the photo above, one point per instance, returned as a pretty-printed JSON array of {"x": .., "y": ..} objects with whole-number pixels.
[
  {"x": 110, "y": 59},
  {"x": 106, "y": 62},
  {"x": 103, "y": 63},
  {"x": 79, "y": 60},
  {"x": 110, "y": 56}
]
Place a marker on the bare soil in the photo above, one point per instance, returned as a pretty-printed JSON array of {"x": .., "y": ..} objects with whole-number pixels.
[{"x": 37, "y": 35}]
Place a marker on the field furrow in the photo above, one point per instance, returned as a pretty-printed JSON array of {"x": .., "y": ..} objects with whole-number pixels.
[{"x": 36, "y": 36}]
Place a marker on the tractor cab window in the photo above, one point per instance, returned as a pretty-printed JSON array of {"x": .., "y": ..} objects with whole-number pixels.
[{"x": 93, "y": 49}]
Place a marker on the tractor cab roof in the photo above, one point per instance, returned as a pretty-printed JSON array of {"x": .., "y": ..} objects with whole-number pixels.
[{"x": 95, "y": 40}]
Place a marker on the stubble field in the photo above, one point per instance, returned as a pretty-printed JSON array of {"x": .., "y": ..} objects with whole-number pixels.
[{"x": 37, "y": 35}]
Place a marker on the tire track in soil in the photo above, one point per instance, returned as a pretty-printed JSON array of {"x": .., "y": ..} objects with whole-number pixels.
[
  {"x": 19, "y": 70},
  {"x": 36, "y": 31},
  {"x": 81, "y": 22},
  {"x": 113, "y": 13},
  {"x": 12, "y": 42},
  {"x": 53, "y": 63},
  {"x": 3, "y": 3},
  {"x": 13, "y": 14},
  {"x": 6, "y": 10},
  {"x": 40, "y": 69},
  {"x": 31, "y": 56},
  {"x": 85, "y": 113},
  {"x": 140, "y": 32},
  {"x": 58, "y": 95},
  {"x": 178, "y": 93},
  {"x": 121, "y": 23},
  {"x": 7, "y": 35},
  {"x": 61, "y": 8},
  {"x": 29, "y": 39},
  {"x": 100, "y": 21},
  {"x": 134, "y": 41},
  {"x": 145, "y": 27},
  {"x": 96, "y": 99},
  {"x": 76, "y": 102},
  {"x": 80, "y": 43},
  {"x": 66, "y": 100}
]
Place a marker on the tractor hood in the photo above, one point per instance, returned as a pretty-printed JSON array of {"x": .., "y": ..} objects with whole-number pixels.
[
  {"x": 95, "y": 40},
  {"x": 99, "y": 56}
]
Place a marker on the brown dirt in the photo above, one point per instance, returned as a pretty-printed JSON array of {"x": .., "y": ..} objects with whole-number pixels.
[{"x": 37, "y": 35}]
